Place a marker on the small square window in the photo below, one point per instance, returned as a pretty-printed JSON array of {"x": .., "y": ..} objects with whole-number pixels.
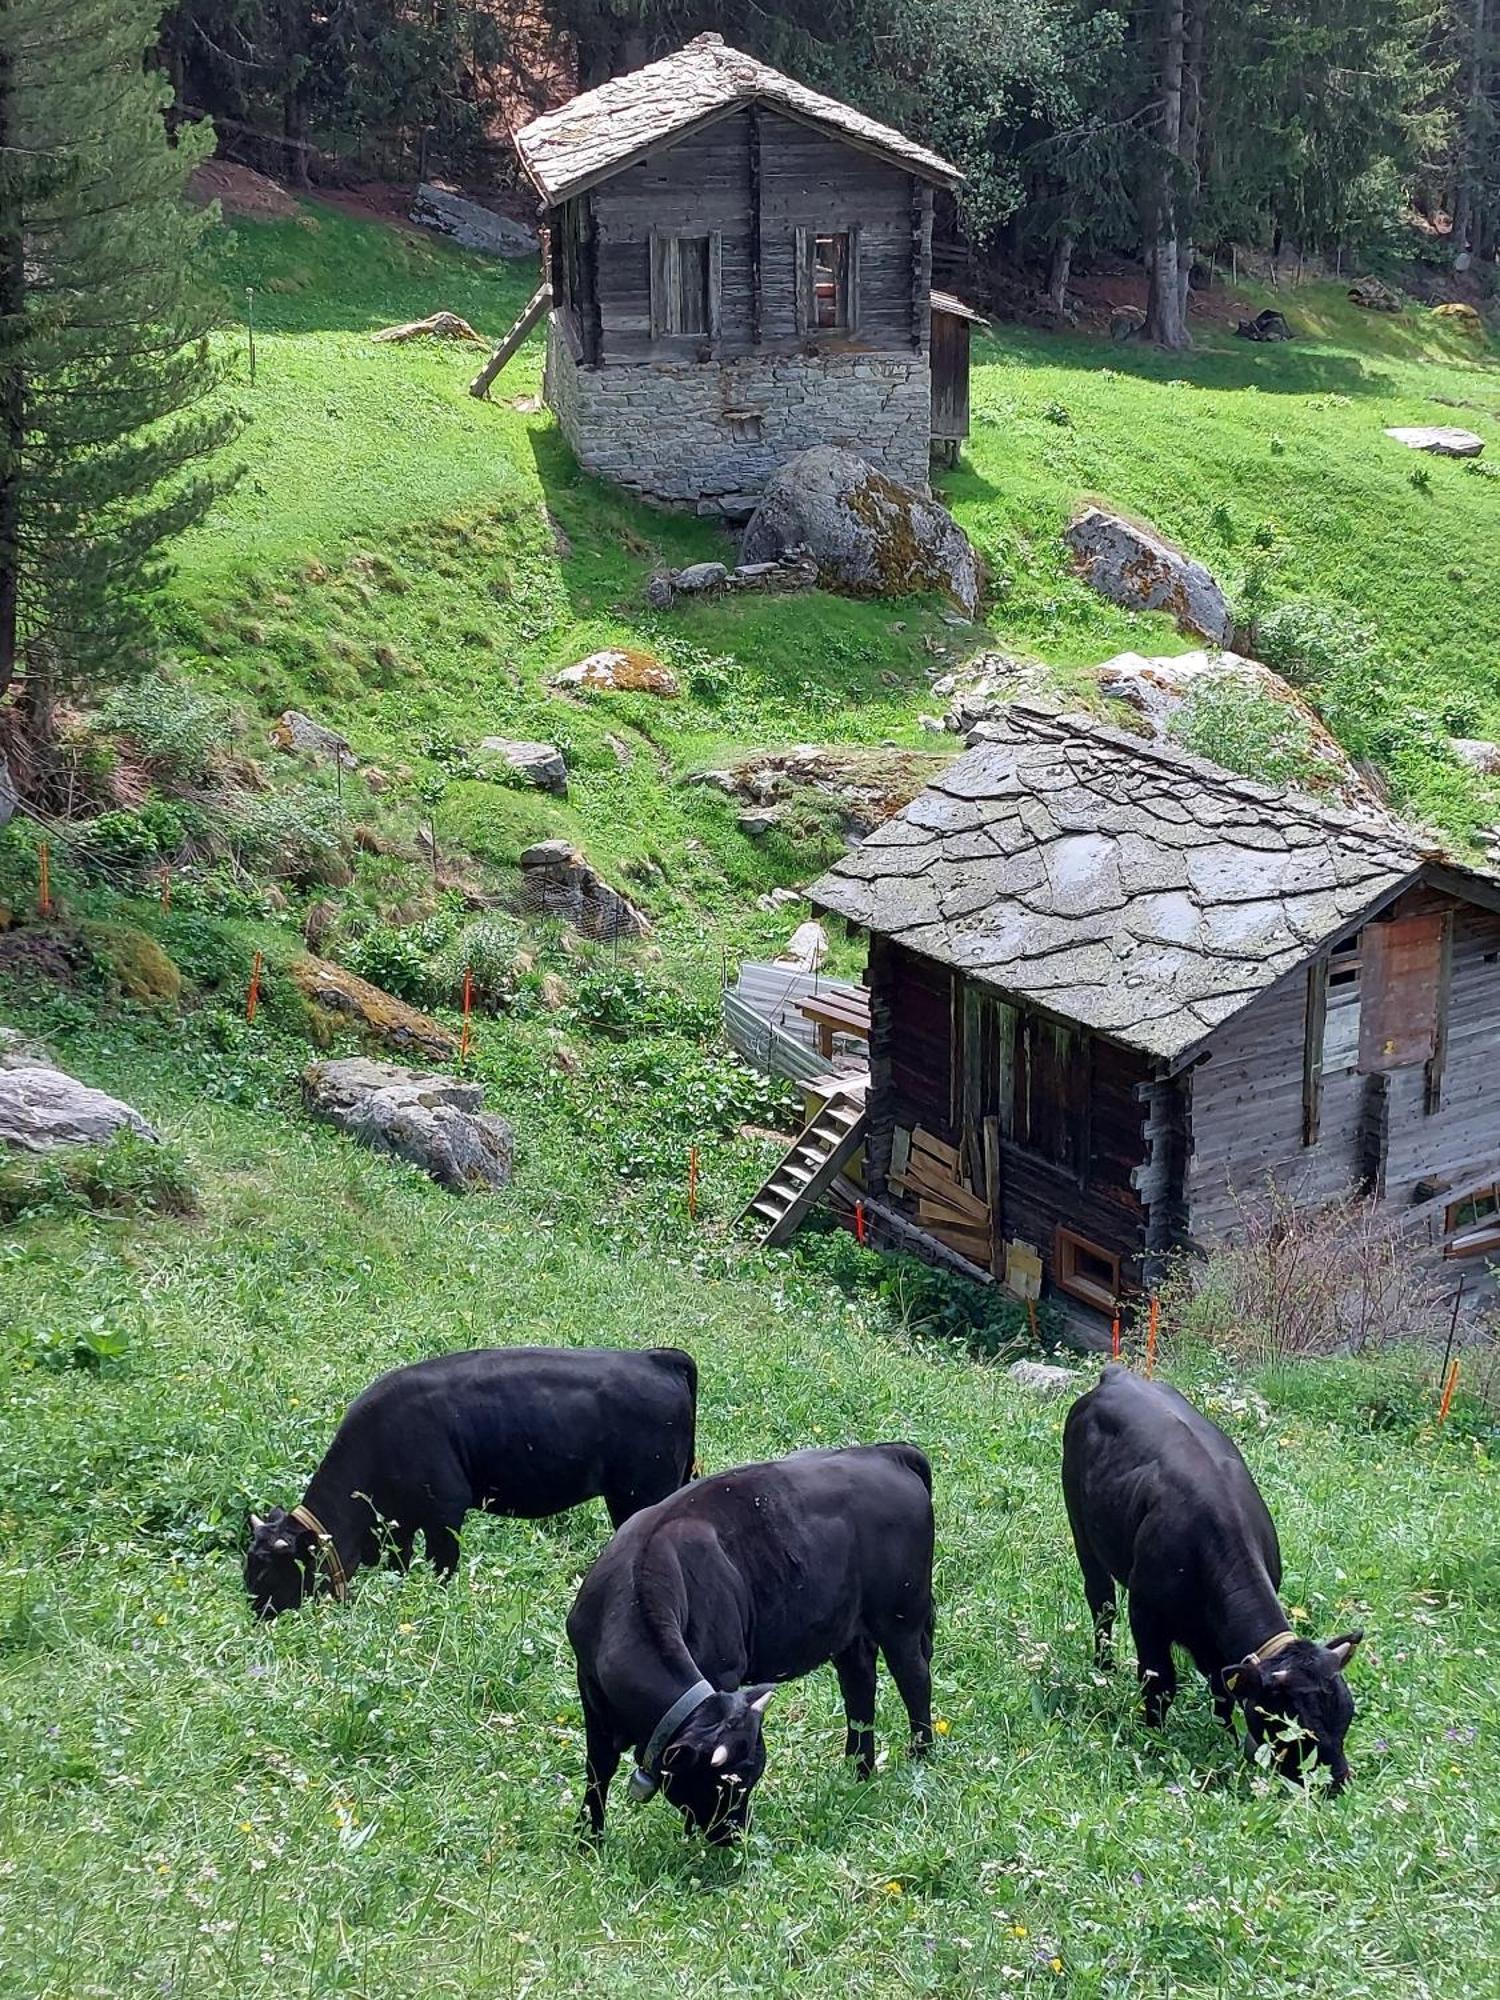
[
  {"x": 1472, "y": 1226},
  {"x": 1084, "y": 1271}
]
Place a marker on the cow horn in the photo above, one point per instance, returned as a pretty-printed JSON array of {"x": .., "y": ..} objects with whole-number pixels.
[
  {"x": 256, "y": 1524},
  {"x": 720, "y": 1756}
]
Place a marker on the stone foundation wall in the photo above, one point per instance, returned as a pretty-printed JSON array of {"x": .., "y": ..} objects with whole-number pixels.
[{"x": 707, "y": 435}]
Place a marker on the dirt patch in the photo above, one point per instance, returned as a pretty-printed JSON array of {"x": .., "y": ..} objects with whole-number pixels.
[
  {"x": 52, "y": 958},
  {"x": 241, "y": 191},
  {"x": 1095, "y": 296}
]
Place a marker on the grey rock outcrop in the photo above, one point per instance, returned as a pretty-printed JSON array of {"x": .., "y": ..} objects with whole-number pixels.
[
  {"x": 1043, "y": 1379},
  {"x": 1441, "y": 440},
  {"x": 297, "y": 732},
  {"x": 539, "y": 764},
  {"x": 556, "y": 881},
  {"x": 18, "y": 1051},
  {"x": 1477, "y": 754},
  {"x": 471, "y": 225},
  {"x": 42, "y": 1109},
  {"x": 436, "y": 1123},
  {"x": 1133, "y": 566},
  {"x": 867, "y": 534}
]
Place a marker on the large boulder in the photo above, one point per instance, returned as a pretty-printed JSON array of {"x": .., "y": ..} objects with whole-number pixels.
[
  {"x": 1442, "y": 440},
  {"x": 1132, "y": 565},
  {"x": 339, "y": 991},
  {"x": 41, "y": 1109},
  {"x": 867, "y": 534},
  {"x": 619, "y": 672},
  {"x": 470, "y": 225},
  {"x": 300, "y": 734},
  {"x": 556, "y": 881},
  {"x": 1464, "y": 318},
  {"x": 1478, "y": 754},
  {"x": 436, "y": 1122},
  {"x": 1374, "y": 295},
  {"x": 539, "y": 764}
]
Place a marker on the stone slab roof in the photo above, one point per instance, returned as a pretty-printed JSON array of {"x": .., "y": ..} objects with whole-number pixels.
[
  {"x": 1141, "y": 892},
  {"x": 603, "y": 130}
]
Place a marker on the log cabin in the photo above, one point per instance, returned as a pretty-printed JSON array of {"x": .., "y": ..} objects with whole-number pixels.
[
  {"x": 739, "y": 269},
  {"x": 1115, "y": 991}
]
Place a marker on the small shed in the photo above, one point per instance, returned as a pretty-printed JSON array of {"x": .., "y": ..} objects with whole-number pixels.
[
  {"x": 740, "y": 269},
  {"x": 951, "y": 324},
  {"x": 1115, "y": 990}
]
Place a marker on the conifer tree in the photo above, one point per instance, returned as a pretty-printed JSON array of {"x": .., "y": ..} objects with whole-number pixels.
[{"x": 108, "y": 417}]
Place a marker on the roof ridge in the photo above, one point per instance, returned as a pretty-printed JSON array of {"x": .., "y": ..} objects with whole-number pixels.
[{"x": 1040, "y": 721}]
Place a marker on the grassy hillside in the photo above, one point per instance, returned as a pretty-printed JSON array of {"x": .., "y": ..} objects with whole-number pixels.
[{"x": 377, "y": 1799}]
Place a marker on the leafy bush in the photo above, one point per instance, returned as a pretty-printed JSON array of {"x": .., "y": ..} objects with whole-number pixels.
[
  {"x": 130, "y": 1175},
  {"x": 655, "y": 1095},
  {"x": 129, "y": 838},
  {"x": 489, "y": 946},
  {"x": 626, "y": 1000},
  {"x": 925, "y": 1301},
  {"x": 392, "y": 957},
  {"x": 293, "y": 833},
  {"x": 176, "y": 728},
  {"x": 1237, "y": 724},
  {"x": 1308, "y": 642}
]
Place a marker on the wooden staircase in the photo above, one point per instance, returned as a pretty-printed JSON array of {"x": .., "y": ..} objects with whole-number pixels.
[
  {"x": 822, "y": 1150},
  {"x": 539, "y": 302}
]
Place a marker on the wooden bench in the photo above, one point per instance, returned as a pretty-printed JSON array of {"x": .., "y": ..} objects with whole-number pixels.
[{"x": 836, "y": 1013}]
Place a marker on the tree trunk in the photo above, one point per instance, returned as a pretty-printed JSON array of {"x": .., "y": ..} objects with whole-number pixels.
[
  {"x": 1062, "y": 268},
  {"x": 13, "y": 377},
  {"x": 1166, "y": 322},
  {"x": 1462, "y": 235}
]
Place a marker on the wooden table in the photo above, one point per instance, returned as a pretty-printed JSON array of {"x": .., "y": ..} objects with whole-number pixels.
[{"x": 836, "y": 1013}]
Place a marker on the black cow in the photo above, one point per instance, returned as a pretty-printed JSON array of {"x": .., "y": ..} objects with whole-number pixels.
[
  {"x": 523, "y": 1431},
  {"x": 1160, "y": 1500},
  {"x": 755, "y": 1576}
]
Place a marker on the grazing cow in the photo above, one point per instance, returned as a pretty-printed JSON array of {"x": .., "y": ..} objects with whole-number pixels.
[
  {"x": 523, "y": 1431},
  {"x": 755, "y": 1576},
  {"x": 1160, "y": 1500}
]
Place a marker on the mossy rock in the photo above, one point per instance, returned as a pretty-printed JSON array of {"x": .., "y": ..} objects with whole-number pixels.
[{"x": 134, "y": 962}]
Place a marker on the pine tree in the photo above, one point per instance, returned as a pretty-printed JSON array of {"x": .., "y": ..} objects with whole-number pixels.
[{"x": 108, "y": 418}]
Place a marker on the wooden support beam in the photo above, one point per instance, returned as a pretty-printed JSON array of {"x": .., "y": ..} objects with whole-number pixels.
[
  {"x": 593, "y": 318},
  {"x": 921, "y": 283},
  {"x": 756, "y": 285}
]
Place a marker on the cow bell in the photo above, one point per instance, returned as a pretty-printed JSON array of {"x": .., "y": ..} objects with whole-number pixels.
[{"x": 643, "y": 1786}]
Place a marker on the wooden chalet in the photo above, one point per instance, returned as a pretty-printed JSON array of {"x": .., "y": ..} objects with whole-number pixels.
[
  {"x": 739, "y": 269},
  {"x": 1114, "y": 990}
]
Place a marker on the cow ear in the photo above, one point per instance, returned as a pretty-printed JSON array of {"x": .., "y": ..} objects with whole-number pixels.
[
  {"x": 757, "y": 1697},
  {"x": 1243, "y": 1679},
  {"x": 1343, "y": 1648}
]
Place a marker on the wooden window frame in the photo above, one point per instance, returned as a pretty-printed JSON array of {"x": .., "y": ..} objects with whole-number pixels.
[
  {"x": 807, "y": 312},
  {"x": 1486, "y": 1230},
  {"x": 1067, "y": 1245},
  {"x": 665, "y": 256}
]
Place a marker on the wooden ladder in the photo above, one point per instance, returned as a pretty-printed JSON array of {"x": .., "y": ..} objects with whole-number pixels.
[
  {"x": 819, "y": 1155},
  {"x": 536, "y": 305}
]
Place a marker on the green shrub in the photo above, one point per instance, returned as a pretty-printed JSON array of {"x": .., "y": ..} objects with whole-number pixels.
[
  {"x": 926, "y": 1301},
  {"x": 489, "y": 946},
  {"x": 130, "y": 1175},
  {"x": 130, "y": 838},
  {"x": 293, "y": 833},
  {"x": 1308, "y": 642},
  {"x": 175, "y": 728},
  {"x": 392, "y": 957},
  {"x": 1233, "y": 722}
]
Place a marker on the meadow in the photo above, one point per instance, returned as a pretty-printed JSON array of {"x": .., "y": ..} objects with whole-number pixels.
[{"x": 378, "y": 1799}]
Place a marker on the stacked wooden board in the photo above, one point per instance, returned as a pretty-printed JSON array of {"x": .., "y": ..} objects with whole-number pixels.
[{"x": 929, "y": 1171}]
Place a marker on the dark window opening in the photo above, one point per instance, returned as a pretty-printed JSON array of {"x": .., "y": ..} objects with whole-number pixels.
[
  {"x": 830, "y": 282},
  {"x": 1472, "y": 1226},
  {"x": 1085, "y": 1271}
]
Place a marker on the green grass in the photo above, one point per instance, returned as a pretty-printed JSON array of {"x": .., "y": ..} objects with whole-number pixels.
[{"x": 378, "y": 1799}]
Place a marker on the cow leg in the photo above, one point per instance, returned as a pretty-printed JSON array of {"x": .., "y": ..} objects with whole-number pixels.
[
  {"x": 442, "y": 1547},
  {"x": 621, "y": 1506},
  {"x": 1153, "y": 1663},
  {"x": 602, "y": 1760},
  {"x": 1099, "y": 1589},
  {"x": 855, "y": 1667},
  {"x": 908, "y": 1654}
]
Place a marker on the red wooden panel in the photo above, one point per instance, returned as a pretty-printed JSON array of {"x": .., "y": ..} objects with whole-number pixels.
[{"x": 1400, "y": 975}]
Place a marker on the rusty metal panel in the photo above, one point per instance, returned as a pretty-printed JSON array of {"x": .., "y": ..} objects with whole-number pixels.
[{"x": 1400, "y": 979}]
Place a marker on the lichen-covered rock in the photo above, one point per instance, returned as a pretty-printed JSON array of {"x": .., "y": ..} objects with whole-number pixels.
[
  {"x": 1044, "y": 1379},
  {"x": 391, "y": 1020},
  {"x": 1374, "y": 295},
  {"x": 1467, "y": 319},
  {"x": 1441, "y": 440},
  {"x": 436, "y": 326},
  {"x": 18, "y": 1051},
  {"x": 1132, "y": 565},
  {"x": 616, "y": 671},
  {"x": 539, "y": 764},
  {"x": 1126, "y": 323},
  {"x": 436, "y": 1122},
  {"x": 42, "y": 1109},
  {"x": 1477, "y": 754},
  {"x": 471, "y": 225},
  {"x": 556, "y": 881},
  {"x": 298, "y": 732},
  {"x": 867, "y": 534}
]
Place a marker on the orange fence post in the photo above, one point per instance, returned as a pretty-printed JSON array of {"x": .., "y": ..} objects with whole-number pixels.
[
  {"x": 1031, "y": 1318},
  {"x": 1152, "y": 1323},
  {"x": 1114, "y": 1336},
  {"x": 252, "y": 998},
  {"x": 166, "y": 887},
  {"x": 859, "y": 1222},
  {"x": 463, "y": 1039},
  {"x": 43, "y": 879},
  {"x": 692, "y": 1183},
  {"x": 1448, "y": 1387}
]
